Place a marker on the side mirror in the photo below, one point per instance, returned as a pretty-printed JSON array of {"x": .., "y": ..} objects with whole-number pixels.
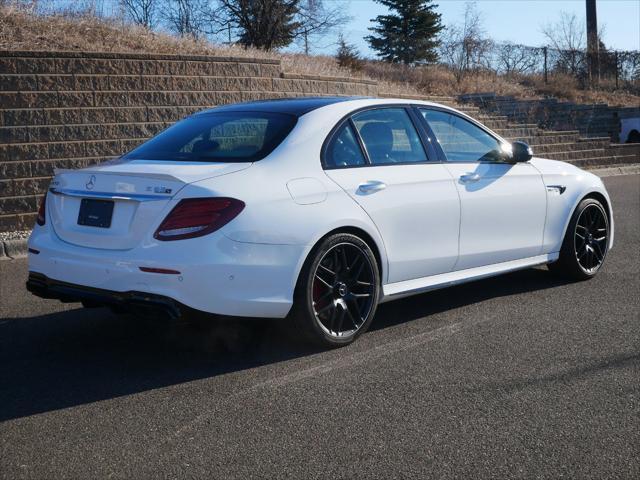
[{"x": 521, "y": 152}]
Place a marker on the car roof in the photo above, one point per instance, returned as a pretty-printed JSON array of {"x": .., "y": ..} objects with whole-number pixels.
[{"x": 291, "y": 106}]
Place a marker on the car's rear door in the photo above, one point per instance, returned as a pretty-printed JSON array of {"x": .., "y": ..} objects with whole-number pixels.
[
  {"x": 503, "y": 204},
  {"x": 379, "y": 157}
]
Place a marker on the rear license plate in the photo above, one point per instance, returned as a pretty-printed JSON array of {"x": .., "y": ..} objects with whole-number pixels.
[{"x": 95, "y": 213}]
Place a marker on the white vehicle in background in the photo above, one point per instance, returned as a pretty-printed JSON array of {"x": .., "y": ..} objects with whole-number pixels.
[
  {"x": 315, "y": 208},
  {"x": 630, "y": 130}
]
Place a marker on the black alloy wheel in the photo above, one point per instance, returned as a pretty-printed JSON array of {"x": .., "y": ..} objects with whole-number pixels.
[
  {"x": 586, "y": 242},
  {"x": 338, "y": 291}
]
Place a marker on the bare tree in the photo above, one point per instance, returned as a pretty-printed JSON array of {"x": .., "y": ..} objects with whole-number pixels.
[
  {"x": 513, "y": 58},
  {"x": 190, "y": 18},
  {"x": 141, "y": 12},
  {"x": 265, "y": 24},
  {"x": 567, "y": 37},
  {"x": 465, "y": 47},
  {"x": 316, "y": 19}
]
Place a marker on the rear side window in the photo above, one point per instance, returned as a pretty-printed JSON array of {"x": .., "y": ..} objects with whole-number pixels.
[
  {"x": 461, "y": 140},
  {"x": 389, "y": 136},
  {"x": 344, "y": 150},
  {"x": 218, "y": 137}
]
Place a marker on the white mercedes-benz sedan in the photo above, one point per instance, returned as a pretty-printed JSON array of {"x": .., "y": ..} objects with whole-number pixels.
[{"x": 317, "y": 209}]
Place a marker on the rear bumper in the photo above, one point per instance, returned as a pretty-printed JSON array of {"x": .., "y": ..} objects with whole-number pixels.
[
  {"x": 216, "y": 274},
  {"x": 44, "y": 287}
]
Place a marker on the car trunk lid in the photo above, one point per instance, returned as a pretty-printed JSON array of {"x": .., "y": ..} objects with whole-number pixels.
[{"x": 113, "y": 206}]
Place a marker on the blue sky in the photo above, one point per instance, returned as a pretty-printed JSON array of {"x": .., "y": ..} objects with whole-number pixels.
[{"x": 516, "y": 20}]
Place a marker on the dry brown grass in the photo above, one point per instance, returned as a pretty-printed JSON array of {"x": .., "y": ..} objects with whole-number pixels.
[
  {"x": 568, "y": 88},
  {"x": 20, "y": 30},
  {"x": 439, "y": 80}
]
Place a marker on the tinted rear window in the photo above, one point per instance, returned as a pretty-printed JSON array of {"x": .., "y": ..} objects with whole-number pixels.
[{"x": 218, "y": 137}]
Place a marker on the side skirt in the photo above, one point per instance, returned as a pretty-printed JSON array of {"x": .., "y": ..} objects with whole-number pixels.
[{"x": 393, "y": 291}]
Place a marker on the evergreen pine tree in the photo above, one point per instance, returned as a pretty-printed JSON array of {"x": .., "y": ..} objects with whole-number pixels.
[
  {"x": 347, "y": 55},
  {"x": 409, "y": 33}
]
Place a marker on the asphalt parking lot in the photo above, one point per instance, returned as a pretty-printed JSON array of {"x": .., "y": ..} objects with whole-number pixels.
[{"x": 519, "y": 376}]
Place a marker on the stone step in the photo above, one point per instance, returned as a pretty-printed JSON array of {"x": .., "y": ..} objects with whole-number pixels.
[
  {"x": 625, "y": 149},
  {"x": 605, "y": 161},
  {"x": 78, "y": 116},
  {"x": 137, "y": 98},
  {"x": 24, "y": 186},
  {"x": 42, "y": 168},
  {"x": 107, "y": 63},
  {"x": 493, "y": 124},
  {"x": 534, "y": 140},
  {"x": 576, "y": 154},
  {"x": 439, "y": 98},
  {"x": 566, "y": 147},
  {"x": 99, "y": 82},
  {"x": 95, "y": 131},
  {"x": 68, "y": 149},
  {"x": 19, "y": 204},
  {"x": 22, "y": 221},
  {"x": 513, "y": 132}
]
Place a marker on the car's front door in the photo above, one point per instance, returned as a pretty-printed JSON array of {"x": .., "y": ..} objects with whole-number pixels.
[
  {"x": 378, "y": 157},
  {"x": 503, "y": 204}
]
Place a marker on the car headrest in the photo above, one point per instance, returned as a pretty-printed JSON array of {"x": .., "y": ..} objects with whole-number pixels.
[
  {"x": 204, "y": 146},
  {"x": 378, "y": 137}
]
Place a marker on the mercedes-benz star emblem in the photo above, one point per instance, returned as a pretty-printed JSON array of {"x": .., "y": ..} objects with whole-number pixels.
[{"x": 91, "y": 183}]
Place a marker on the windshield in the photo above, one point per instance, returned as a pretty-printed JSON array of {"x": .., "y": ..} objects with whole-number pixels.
[{"x": 218, "y": 137}]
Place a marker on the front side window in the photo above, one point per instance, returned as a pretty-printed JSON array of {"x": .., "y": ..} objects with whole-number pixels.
[
  {"x": 389, "y": 136},
  {"x": 461, "y": 140},
  {"x": 218, "y": 137},
  {"x": 344, "y": 150}
]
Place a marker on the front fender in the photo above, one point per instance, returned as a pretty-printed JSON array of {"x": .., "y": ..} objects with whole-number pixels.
[{"x": 574, "y": 184}]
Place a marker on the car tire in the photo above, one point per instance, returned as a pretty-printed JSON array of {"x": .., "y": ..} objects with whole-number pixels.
[
  {"x": 337, "y": 293},
  {"x": 585, "y": 243}
]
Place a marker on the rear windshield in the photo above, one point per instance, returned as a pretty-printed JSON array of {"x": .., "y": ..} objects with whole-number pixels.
[{"x": 218, "y": 137}]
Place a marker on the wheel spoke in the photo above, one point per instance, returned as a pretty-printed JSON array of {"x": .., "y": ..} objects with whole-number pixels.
[
  {"x": 326, "y": 308},
  {"x": 326, "y": 269},
  {"x": 351, "y": 317},
  {"x": 336, "y": 261},
  {"x": 355, "y": 262},
  {"x": 326, "y": 295},
  {"x": 345, "y": 264},
  {"x": 322, "y": 280},
  {"x": 598, "y": 251},
  {"x": 359, "y": 272},
  {"x": 354, "y": 304},
  {"x": 341, "y": 319},
  {"x": 332, "y": 321},
  {"x": 581, "y": 255}
]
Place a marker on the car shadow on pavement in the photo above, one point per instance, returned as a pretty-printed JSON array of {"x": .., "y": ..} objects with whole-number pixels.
[{"x": 81, "y": 356}]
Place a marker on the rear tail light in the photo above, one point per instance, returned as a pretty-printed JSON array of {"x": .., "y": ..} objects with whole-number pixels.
[
  {"x": 41, "y": 219},
  {"x": 194, "y": 217}
]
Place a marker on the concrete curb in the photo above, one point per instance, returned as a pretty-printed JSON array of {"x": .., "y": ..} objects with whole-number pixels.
[
  {"x": 633, "y": 169},
  {"x": 10, "y": 249}
]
